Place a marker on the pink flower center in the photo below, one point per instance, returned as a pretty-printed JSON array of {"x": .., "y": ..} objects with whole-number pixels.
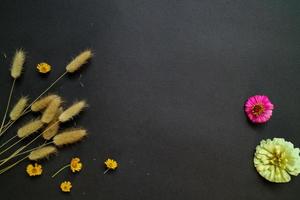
[{"x": 258, "y": 109}]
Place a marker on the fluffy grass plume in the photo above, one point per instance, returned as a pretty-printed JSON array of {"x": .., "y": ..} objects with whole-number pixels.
[
  {"x": 42, "y": 103},
  {"x": 18, "y": 109},
  {"x": 42, "y": 153},
  {"x": 72, "y": 111},
  {"x": 69, "y": 137},
  {"x": 52, "y": 129},
  {"x": 17, "y": 64},
  {"x": 51, "y": 110},
  {"x": 30, "y": 128},
  {"x": 80, "y": 60}
]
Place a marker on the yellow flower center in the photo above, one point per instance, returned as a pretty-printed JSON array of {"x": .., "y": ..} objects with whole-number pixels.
[
  {"x": 110, "y": 165},
  {"x": 279, "y": 159},
  {"x": 258, "y": 109},
  {"x": 74, "y": 164}
]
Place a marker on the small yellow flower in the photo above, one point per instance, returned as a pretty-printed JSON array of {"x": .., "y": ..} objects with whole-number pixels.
[
  {"x": 35, "y": 170},
  {"x": 66, "y": 186},
  {"x": 111, "y": 164},
  {"x": 75, "y": 165},
  {"x": 43, "y": 68}
]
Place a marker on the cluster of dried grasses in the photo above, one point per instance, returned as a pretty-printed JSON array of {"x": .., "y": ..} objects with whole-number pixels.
[{"x": 46, "y": 127}]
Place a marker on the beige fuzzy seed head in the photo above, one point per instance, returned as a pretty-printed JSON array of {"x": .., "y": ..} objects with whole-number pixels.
[
  {"x": 42, "y": 153},
  {"x": 51, "y": 110},
  {"x": 17, "y": 64},
  {"x": 18, "y": 109},
  {"x": 69, "y": 137},
  {"x": 52, "y": 129},
  {"x": 80, "y": 60},
  {"x": 42, "y": 103},
  {"x": 72, "y": 111},
  {"x": 30, "y": 128}
]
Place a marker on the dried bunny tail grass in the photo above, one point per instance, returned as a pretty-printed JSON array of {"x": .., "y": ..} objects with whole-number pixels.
[
  {"x": 42, "y": 103},
  {"x": 52, "y": 129},
  {"x": 17, "y": 64},
  {"x": 18, "y": 109},
  {"x": 69, "y": 137},
  {"x": 51, "y": 110},
  {"x": 77, "y": 62},
  {"x": 42, "y": 153},
  {"x": 30, "y": 128},
  {"x": 72, "y": 111}
]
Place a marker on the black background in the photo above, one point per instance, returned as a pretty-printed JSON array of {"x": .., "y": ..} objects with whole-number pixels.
[{"x": 166, "y": 90}]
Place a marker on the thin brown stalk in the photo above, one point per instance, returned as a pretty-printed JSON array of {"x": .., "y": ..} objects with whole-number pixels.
[
  {"x": 28, "y": 107},
  {"x": 11, "y": 166},
  {"x": 7, "y": 106}
]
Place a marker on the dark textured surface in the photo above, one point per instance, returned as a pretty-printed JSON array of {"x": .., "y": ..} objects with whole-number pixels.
[{"x": 166, "y": 91}]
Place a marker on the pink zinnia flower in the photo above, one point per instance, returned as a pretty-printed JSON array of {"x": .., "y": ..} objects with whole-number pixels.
[{"x": 259, "y": 108}]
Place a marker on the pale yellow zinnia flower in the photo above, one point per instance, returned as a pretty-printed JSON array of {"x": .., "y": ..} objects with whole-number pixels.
[{"x": 276, "y": 160}]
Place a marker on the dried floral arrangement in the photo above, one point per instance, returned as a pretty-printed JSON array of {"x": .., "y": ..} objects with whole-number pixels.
[{"x": 47, "y": 127}]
